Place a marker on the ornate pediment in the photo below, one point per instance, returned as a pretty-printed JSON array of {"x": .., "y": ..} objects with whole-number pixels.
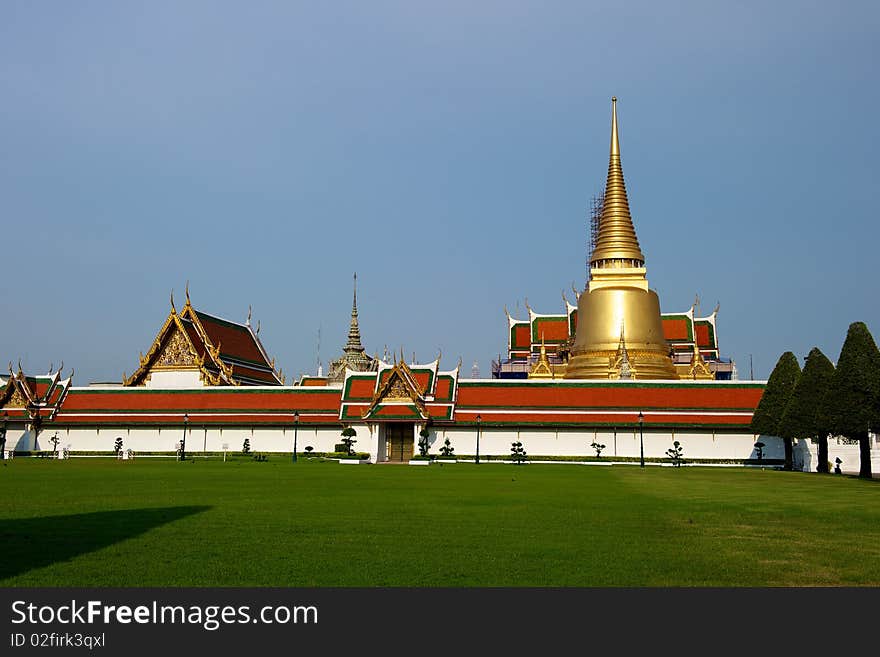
[
  {"x": 699, "y": 369},
  {"x": 176, "y": 352},
  {"x": 541, "y": 369},
  {"x": 16, "y": 399},
  {"x": 399, "y": 388}
]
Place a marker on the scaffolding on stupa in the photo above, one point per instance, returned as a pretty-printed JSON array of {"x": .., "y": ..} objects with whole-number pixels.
[{"x": 593, "y": 227}]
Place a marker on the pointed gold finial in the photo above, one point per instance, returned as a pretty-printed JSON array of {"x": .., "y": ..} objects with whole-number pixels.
[
  {"x": 247, "y": 322},
  {"x": 617, "y": 245},
  {"x": 173, "y": 309},
  {"x": 187, "y": 294},
  {"x": 542, "y": 368}
]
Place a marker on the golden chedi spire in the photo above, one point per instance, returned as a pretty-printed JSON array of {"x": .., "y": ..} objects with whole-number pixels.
[
  {"x": 618, "y": 294},
  {"x": 617, "y": 243}
]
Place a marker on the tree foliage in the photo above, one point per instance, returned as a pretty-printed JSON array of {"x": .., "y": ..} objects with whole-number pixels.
[
  {"x": 676, "y": 454},
  {"x": 423, "y": 441},
  {"x": 518, "y": 453},
  {"x": 776, "y": 395},
  {"x": 852, "y": 405},
  {"x": 804, "y": 416},
  {"x": 447, "y": 450},
  {"x": 348, "y": 439}
]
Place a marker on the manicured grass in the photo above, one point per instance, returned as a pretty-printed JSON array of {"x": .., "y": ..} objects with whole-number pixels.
[{"x": 152, "y": 522}]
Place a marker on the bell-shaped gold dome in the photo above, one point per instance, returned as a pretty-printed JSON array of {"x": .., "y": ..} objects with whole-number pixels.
[{"x": 609, "y": 316}]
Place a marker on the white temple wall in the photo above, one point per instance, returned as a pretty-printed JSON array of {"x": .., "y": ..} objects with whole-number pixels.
[
  {"x": 198, "y": 439},
  {"x": 805, "y": 455},
  {"x": 622, "y": 443},
  {"x": 537, "y": 441}
]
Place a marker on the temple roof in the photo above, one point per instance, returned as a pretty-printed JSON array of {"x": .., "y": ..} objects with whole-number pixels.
[
  {"x": 681, "y": 331},
  {"x": 694, "y": 403},
  {"x": 23, "y": 395},
  {"x": 224, "y": 352},
  {"x": 399, "y": 391}
]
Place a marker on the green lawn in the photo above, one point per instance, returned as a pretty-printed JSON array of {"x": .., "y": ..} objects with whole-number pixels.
[{"x": 156, "y": 522}]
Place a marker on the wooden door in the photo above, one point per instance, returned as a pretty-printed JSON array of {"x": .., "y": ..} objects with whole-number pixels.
[{"x": 399, "y": 442}]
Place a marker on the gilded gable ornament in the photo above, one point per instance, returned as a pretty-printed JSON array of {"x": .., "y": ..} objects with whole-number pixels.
[
  {"x": 398, "y": 391},
  {"x": 699, "y": 369},
  {"x": 17, "y": 400},
  {"x": 176, "y": 353}
]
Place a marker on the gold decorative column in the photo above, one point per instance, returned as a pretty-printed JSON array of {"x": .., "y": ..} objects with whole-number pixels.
[{"x": 618, "y": 295}]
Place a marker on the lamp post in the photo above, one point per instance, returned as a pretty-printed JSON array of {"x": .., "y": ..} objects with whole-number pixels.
[
  {"x": 183, "y": 442},
  {"x": 3, "y": 436},
  {"x": 295, "y": 427},
  {"x": 641, "y": 441},
  {"x": 479, "y": 419}
]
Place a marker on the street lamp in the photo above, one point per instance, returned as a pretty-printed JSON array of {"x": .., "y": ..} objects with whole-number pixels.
[
  {"x": 295, "y": 427},
  {"x": 3, "y": 436},
  {"x": 479, "y": 419},
  {"x": 183, "y": 442},
  {"x": 641, "y": 441}
]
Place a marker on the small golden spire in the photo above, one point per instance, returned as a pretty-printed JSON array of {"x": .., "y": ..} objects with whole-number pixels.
[
  {"x": 542, "y": 368},
  {"x": 617, "y": 239}
]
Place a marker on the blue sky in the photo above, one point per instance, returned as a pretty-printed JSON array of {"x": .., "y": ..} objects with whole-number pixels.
[{"x": 447, "y": 152}]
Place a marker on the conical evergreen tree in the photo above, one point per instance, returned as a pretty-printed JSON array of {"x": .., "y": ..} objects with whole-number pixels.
[
  {"x": 802, "y": 417},
  {"x": 853, "y": 398},
  {"x": 776, "y": 396}
]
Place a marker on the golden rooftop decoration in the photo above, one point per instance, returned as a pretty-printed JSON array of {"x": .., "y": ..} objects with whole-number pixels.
[
  {"x": 699, "y": 368},
  {"x": 618, "y": 295},
  {"x": 542, "y": 368},
  {"x": 617, "y": 244}
]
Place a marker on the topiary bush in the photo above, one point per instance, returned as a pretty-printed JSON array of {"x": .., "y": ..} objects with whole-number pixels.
[
  {"x": 447, "y": 451},
  {"x": 675, "y": 454}
]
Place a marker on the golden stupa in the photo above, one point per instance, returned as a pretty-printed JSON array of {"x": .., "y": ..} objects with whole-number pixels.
[{"x": 617, "y": 313}]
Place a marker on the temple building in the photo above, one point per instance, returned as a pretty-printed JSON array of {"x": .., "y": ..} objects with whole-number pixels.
[
  {"x": 194, "y": 348},
  {"x": 691, "y": 341},
  {"x": 609, "y": 369},
  {"x": 616, "y": 329}
]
